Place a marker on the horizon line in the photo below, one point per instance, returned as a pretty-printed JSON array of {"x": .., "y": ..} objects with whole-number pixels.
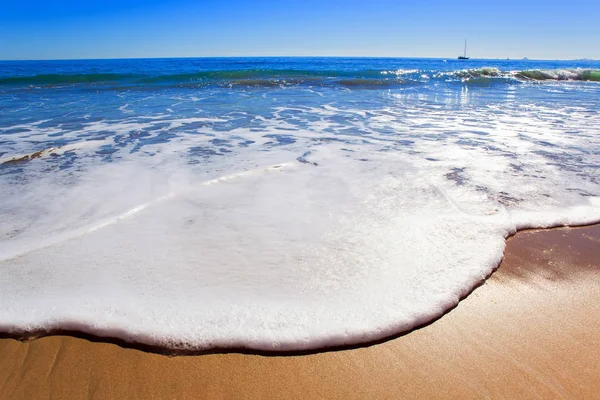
[{"x": 294, "y": 56}]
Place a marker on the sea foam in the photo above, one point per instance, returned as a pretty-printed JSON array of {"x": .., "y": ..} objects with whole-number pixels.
[{"x": 287, "y": 257}]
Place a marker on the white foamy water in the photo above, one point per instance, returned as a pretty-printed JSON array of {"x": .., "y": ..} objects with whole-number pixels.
[{"x": 305, "y": 226}]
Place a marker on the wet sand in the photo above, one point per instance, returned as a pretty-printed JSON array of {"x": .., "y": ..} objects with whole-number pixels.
[{"x": 531, "y": 331}]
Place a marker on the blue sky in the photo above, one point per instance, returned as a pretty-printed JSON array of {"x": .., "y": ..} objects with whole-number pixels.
[{"x": 395, "y": 28}]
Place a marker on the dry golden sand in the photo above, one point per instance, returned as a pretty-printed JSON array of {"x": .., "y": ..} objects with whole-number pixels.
[{"x": 531, "y": 331}]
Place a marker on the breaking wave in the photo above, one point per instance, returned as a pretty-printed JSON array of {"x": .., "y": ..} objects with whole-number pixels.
[
  {"x": 572, "y": 74},
  {"x": 278, "y": 78},
  {"x": 577, "y": 74}
]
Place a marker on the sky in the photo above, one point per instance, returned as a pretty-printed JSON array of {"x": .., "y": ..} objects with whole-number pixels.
[{"x": 65, "y": 29}]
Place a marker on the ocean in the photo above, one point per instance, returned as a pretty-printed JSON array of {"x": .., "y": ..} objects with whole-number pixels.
[{"x": 278, "y": 203}]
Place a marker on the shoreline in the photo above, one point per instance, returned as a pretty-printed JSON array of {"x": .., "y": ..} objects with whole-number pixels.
[
  {"x": 151, "y": 348},
  {"x": 531, "y": 329}
]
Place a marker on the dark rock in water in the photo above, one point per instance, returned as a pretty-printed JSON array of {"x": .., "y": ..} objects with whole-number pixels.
[{"x": 27, "y": 157}]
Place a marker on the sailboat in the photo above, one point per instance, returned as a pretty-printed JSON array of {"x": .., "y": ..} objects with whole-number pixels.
[{"x": 464, "y": 56}]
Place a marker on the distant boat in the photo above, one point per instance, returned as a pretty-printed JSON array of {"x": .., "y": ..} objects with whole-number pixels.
[{"x": 464, "y": 56}]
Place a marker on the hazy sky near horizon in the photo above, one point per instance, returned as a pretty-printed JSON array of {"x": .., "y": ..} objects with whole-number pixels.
[{"x": 390, "y": 28}]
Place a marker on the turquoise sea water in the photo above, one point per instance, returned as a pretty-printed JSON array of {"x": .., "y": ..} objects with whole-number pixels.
[
  {"x": 113, "y": 90},
  {"x": 278, "y": 203}
]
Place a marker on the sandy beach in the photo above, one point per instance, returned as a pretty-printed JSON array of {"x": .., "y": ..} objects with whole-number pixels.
[{"x": 532, "y": 330}]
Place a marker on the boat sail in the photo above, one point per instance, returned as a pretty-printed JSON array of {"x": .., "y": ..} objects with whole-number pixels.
[{"x": 464, "y": 56}]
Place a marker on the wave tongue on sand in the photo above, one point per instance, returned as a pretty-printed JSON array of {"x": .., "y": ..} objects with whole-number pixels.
[{"x": 287, "y": 258}]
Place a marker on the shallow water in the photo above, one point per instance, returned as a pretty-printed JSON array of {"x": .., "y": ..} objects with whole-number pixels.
[{"x": 278, "y": 203}]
